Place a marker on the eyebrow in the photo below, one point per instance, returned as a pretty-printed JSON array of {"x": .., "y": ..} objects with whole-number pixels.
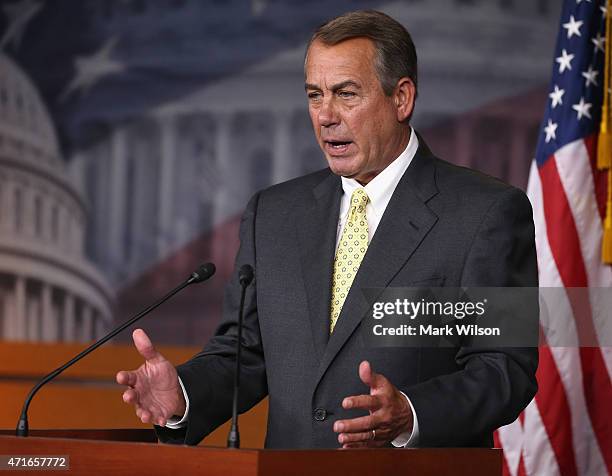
[{"x": 335, "y": 87}]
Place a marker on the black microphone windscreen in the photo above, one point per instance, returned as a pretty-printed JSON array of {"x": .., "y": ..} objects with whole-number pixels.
[
  {"x": 245, "y": 275},
  {"x": 204, "y": 272}
]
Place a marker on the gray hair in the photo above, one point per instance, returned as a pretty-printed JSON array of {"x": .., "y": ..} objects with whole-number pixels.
[{"x": 395, "y": 52}]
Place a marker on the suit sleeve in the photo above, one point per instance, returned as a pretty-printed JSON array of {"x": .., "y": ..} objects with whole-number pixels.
[
  {"x": 209, "y": 376},
  {"x": 494, "y": 384}
]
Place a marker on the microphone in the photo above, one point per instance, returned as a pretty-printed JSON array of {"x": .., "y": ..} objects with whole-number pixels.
[
  {"x": 204, "y": 272},
  {"x": 245, "y": 276}
]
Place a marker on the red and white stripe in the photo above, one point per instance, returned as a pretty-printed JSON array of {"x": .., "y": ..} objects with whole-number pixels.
[{"x": 567, "y": 428}]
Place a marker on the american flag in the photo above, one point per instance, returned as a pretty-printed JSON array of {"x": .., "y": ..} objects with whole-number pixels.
[{"x": 567, "y": 428}]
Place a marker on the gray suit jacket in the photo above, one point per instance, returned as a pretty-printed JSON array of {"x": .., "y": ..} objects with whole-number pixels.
[{"x": 445, "y": 225}]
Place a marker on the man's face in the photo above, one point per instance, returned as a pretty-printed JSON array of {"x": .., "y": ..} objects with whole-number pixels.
[{"x": 357, "y": 126}]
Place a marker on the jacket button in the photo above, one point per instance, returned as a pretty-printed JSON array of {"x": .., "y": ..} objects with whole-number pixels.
[{"x": 320, "y": 414}]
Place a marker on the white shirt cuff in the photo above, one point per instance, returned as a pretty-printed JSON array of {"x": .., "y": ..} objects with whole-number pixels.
[
  {"x": 408, "y": 439},
  {"x": 175, "y": 423}
]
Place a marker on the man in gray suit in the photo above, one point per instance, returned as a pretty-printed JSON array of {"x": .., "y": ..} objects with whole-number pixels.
[{"x": 386, "y": 213}]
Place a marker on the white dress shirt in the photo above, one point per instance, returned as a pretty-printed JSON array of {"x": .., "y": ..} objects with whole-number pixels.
[{"x": 380, "y": 190}]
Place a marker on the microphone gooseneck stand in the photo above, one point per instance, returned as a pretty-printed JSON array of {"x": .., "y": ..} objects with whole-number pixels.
[
  {"x": 204, "y": 272},
  {"x": 245, "y": 276}
]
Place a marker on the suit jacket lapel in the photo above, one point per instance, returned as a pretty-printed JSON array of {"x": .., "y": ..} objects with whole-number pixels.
[
  {"x": 404, "y": 225},
  {"x": 316, "y": 224}
]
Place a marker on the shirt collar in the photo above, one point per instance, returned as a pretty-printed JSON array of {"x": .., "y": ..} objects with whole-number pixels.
[{"x": 380, "y": 189}]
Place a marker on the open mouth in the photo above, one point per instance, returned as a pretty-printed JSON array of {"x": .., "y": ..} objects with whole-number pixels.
[{"x": 336, "y": 144}]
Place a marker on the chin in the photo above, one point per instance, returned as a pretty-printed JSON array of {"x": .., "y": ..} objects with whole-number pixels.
[
  {"x": 343, "y": 172},
  {"x": 339, "y": 166}
]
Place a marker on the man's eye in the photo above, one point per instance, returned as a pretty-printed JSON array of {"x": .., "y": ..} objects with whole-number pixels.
[
  {"x": 313, "y": 95},
  {"x": 346, "y": 94}
]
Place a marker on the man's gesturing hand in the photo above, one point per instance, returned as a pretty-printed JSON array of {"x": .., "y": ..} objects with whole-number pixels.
[
  {"x": 390, "y": 414},
  {"x": 154, "y": 387}
]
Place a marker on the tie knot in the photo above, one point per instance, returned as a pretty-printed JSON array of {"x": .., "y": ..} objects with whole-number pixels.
[{"x": 359, "y": 199}]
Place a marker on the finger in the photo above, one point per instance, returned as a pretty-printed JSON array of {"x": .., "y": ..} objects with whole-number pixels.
[
  {"x": 145, "y": 346},
  {"x": 368, "y": 444},
  {"x": 355, "y": 425},
  {"x": 125, "y": 377},
  {"x": 130, "y": 396},
  {"x": 145, "y": 416},
  {"x": 151, "y": 415},
  {"x": 364, "y": 436},
  {"x": 369, "y": 377},
  {"x": 359, "y": 444},
  {"x": 367, "y": 402}
]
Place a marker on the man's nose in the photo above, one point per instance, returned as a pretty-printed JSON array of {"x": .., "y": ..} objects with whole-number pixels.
[{"x": 328, "y": 114}]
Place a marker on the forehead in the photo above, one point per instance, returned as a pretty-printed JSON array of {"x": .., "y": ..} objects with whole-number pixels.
[{"x": 350, "y": 59}]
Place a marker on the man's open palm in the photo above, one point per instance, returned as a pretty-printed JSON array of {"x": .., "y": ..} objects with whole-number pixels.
[{"x": 154, "y": 388}]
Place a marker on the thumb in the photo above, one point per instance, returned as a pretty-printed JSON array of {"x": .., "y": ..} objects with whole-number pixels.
[
  {"x": 367, "y": 375},
  {"x": 145, "y": 346}
]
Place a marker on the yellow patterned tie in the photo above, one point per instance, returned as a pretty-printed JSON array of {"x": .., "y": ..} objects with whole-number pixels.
[{"x": 351, "y": 250}]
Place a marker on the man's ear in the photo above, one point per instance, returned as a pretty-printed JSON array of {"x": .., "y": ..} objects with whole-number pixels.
[{"x": 404, "y": 98}]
